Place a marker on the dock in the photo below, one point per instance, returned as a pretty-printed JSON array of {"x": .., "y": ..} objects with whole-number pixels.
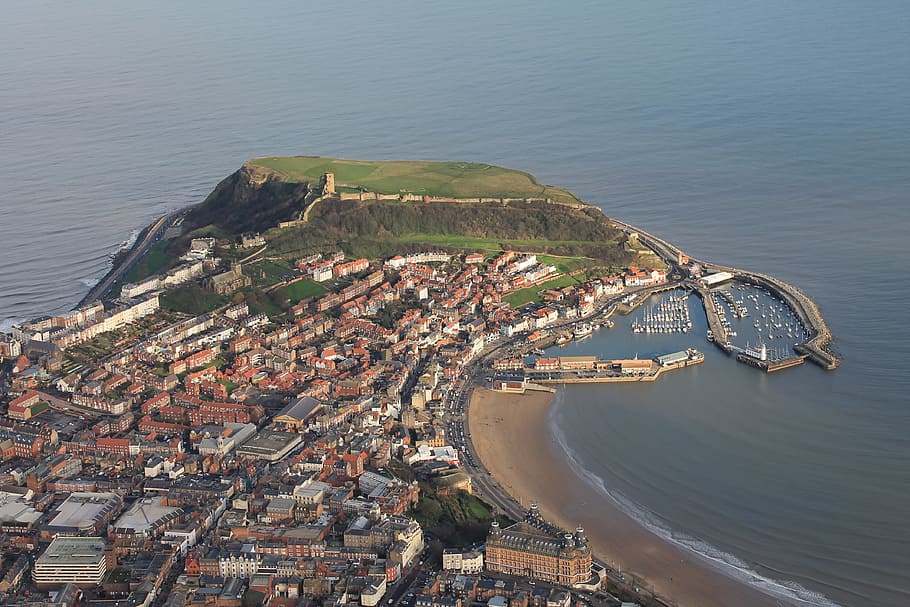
[
  {"x": 814, "y": 348},
  {"x": 630, "y": 303},
  {"x": 721, "y": 339},
  {"x": 614, "y": 371},
  {"x": 770, "y": 366}
]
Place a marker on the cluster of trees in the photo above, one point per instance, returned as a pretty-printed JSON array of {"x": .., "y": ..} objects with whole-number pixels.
[
  {"x": 373, "y": 229},
  {"x": 513, "y": 221}
]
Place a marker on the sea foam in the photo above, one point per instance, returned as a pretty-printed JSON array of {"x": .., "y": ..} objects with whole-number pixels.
[{"x": 728, "y": 564}]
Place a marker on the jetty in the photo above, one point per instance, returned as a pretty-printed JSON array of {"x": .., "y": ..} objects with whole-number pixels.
[
  {"x": 814, "y": 348},
  {"x": 717, "y": 327},
  {"x": 591, "y": 370},
  {"x": 770, "y": 366}
]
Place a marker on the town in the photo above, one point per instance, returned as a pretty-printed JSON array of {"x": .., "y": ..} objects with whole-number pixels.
[{"x": 312, "y": 457}]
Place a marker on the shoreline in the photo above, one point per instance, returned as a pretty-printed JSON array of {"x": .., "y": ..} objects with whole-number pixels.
[
  {"x": 510, "y": 436},
  {"x": 126, "y": 259}
]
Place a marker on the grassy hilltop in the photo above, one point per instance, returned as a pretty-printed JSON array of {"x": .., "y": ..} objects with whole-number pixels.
[
  {"x": 268, "y": 191},
  {"x": 446, "y": 179}
]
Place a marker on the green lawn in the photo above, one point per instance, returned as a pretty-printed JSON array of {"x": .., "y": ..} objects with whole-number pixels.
[
  {"x": 303, "y": 289},
  {"x": 154, "y": 262},
  {"x": 192, "y": 299},
  {"x": 229, "y": 385},
  {"x": 265, "y": 273},
  {"x": 523, "y": 296},
  {"x": 455, "y": 179},
  {"x": 568, "y": 264}
]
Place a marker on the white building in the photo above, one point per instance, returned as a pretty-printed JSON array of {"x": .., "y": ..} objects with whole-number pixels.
[
  {"x": 323, "y": 273},
  {"x": 373, "y": 592},
  {"x": 425, "y": 257},
  {"x": 462, "y": 562},
  {"x": 243, "y": 564},
  {"x": 200, "y": 248},
  {"x": 135, "y": 289},
  {"x": 181, "y": 274},
  {"x": 71, "y": 560}
]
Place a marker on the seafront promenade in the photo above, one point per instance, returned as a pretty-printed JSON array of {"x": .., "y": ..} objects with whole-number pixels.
[{"x": 144, "y": 242}]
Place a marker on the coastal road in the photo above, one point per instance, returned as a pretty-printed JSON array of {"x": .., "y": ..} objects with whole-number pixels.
[{"x": 150, "y": 236}]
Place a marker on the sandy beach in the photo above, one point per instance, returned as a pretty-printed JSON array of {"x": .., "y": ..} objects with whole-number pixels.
[{"x": 511, "y": 437}]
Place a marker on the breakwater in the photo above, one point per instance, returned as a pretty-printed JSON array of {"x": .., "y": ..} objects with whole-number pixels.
[
  {"x": 770, "y": 366},
  {"x": 814, "y": 347},
  {"x": 807, "y": 311}
]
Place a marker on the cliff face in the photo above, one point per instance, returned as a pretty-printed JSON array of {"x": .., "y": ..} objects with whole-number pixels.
[
  {"x": 250, "y": 200},
  {"x": 256, "y": 199}
]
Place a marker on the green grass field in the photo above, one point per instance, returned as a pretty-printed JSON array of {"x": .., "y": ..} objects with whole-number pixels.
[
  {"x": 568, "y": 264},
  {"x": 154, "y": 262},
  {"x": 192, "y": 299},
  {"x": 448, "y": 179},
  {"x": 303, "y": 289},
  {"x": 529, "y": 294},
  {"x": 265, "y": 273}
]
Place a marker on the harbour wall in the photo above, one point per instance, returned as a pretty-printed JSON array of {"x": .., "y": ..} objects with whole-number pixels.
[{"x": 806, "y": 309}]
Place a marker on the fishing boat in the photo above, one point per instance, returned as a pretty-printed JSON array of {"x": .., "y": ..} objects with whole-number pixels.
[{"x": 583, "y": 330}]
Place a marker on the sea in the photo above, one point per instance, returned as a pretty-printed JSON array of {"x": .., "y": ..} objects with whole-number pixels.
[{"x": 772, "y": 135}]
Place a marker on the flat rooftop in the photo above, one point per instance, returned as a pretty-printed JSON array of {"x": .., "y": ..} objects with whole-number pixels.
[
  {"x": 16, "y": 510},
  {"x": 270, "y": 444},
  {"x": 81, "y": 510},
  {"x": 73, "y": 551},
  {"x": 145, "y": 514}
]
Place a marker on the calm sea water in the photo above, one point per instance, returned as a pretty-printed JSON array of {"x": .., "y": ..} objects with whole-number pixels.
[{"x": 770, "y": 135}]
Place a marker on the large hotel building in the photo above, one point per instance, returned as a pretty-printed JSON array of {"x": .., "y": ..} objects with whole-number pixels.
[{"x": 538, "y": 550}]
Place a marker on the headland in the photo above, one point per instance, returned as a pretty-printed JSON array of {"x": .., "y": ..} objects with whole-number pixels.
[{"x": 364, "y": 295}]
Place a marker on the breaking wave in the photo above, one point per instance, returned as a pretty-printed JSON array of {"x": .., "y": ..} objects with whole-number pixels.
[{"x": 724, "y": 562}]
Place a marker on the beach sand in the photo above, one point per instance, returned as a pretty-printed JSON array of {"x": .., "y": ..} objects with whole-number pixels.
[{"x": 512, "y": 439}]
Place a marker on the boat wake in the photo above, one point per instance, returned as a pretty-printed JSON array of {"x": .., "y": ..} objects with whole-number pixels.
[{"x": 728, "y": 564}]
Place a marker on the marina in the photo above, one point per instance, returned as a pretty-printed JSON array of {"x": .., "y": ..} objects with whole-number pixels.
[
  {"x": 818, "y": 335},
  {"x": 670, "y": 315},
  {"x": 745, "y": 320}
]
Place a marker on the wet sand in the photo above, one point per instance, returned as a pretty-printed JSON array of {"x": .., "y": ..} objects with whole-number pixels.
[{"x": 511, "y": 437}]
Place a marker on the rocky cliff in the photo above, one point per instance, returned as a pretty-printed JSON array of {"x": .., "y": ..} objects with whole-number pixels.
[{"x": 251, "y": 200}]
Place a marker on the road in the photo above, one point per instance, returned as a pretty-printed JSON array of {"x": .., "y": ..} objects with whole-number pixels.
[
  {"x": 151, "y": 235},
  {"x": 68, "y": 407}
]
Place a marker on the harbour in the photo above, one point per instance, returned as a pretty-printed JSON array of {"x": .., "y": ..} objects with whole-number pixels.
[
  {"x": 815, "y": 346},
  {"x": 670, "y": 315}
]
